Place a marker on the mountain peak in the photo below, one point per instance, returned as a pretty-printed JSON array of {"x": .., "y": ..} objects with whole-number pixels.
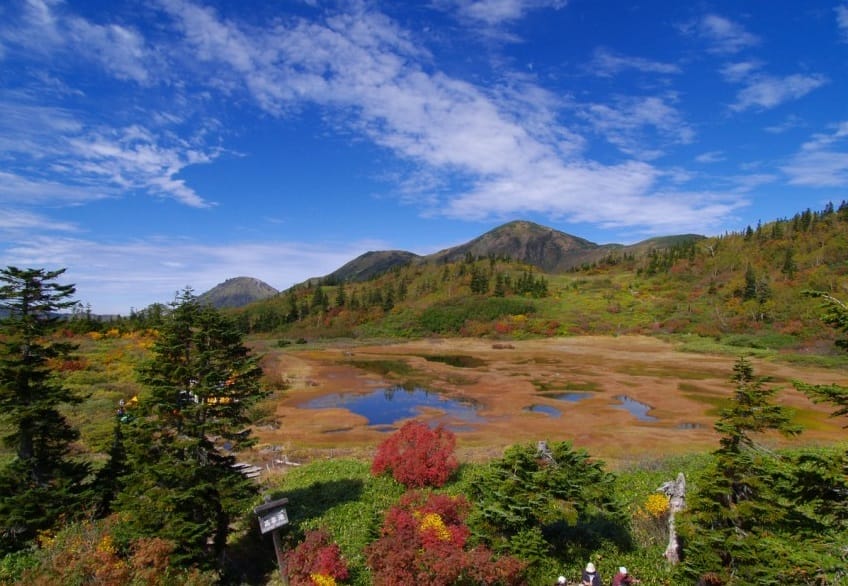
[{"x": 236, "y": 292}]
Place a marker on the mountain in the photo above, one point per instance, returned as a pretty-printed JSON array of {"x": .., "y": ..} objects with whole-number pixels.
[
  {"x": 551, "y": 251},
  {"x": 371, "y": 264},
  {"x": 237, "y": 292}
]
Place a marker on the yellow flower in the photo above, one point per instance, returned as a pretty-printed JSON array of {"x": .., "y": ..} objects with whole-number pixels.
[
  {"x": 433, "y": 522},
  {"x": 656, "y": 505},
  {"x": 105, "y": 545},
  {"x": 322, "y": 580}
]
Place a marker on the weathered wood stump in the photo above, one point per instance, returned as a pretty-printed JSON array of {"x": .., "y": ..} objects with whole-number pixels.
[{"x": 675, "y": 490}]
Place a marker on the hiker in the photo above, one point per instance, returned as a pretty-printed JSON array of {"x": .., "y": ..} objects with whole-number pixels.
[
  {"x": 622, "y": 578},
  {"x": 590, "y": 576}
]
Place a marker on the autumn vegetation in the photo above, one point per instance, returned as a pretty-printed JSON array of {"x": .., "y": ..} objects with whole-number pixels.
[{"x": 120, "y": 438}]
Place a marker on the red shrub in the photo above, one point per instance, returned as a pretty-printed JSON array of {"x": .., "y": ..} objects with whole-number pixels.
[
  {"x": 317, "y": 554},
  {"x": 417, "y": 456},
  {"x": 422, "y": 542}
]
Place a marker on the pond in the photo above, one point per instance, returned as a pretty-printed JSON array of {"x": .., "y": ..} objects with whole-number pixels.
[
  {"x": 635, "y": 408},
  {"x": 385, "y": 407}
]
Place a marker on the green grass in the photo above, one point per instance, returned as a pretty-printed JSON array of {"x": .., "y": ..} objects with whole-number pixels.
[
  {"x": 342, "y": 497},
  {"x": 383, "y": 367}
]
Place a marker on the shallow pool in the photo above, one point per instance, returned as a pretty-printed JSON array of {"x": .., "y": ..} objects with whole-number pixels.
[{"x": 385, "y": 407}]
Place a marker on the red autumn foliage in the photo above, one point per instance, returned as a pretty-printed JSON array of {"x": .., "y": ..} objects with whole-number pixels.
[
  {"x": 417, "y": 456},
  {"x": 423, "y": 541},
  {"x": 316, "y": 554}
]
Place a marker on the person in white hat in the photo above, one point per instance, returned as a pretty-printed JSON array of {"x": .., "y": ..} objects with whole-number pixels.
[
  {"x": 623, "y": 578},
  {"x": 561, "y": 580},
  {"x": 590, "y": 576}
]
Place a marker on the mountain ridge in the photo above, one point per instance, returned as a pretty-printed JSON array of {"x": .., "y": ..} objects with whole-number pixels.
[{"x": 548, "y": 249}]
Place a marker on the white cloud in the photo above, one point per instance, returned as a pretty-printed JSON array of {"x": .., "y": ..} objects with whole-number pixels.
[
  {"x": 106, "y": 278},
  {"x": 842, "y": 20},
  {"x": 791, "y": 121},
  {"x": 43, "y": 27},
  {"x": 820, "y": 162},
  {"x": 628, "y": 122},
  {"x": 495, "y": 12},
  {"x": 765, "y": 91},
  {"x": 740, "y": 70},
  {"x": 16, "y": 221},
  {"x": 723, "y": 35},
  {"x": 606, "y": 63},
  {"x": 51, "y": 155},
  {"x": 133, "y": 158},
  {"x": 28, "y": 191},
  {"x": 514, "y": 158},
  {"x": 710, "y": 157}
]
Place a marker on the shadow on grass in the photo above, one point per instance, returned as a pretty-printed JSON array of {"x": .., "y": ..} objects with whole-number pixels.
[{"x": 251, "y": 555}]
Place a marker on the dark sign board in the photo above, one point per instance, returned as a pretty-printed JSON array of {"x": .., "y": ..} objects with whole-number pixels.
[{"x": 272, "y": 515}]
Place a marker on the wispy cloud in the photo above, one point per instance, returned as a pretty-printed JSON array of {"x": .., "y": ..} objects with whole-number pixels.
[
  {"x": 740, "y": 71},
  {"x": 163, "y": 266},
  {"x": 821, "y": 162},
  {"x": 496, "y": 12},
  {"x": 606, "y": 63},
  {"x": 22, "y": 190},
  {"x": 17, "y": 222},
  {"x": 722, "y": 34},
  {"x": 710, "y": 157},
  {"x": 43, "y": 27},
  {"x": 364, "y": 66},
  {"x": 50, "y": 154},
  {"x": 59, "y": 153},
  {"x": 133, "y": 158},
  {"x": 628, "y": 123},
  {"x": 766, "y": 91},
  {"x": 842, "y": 20}
]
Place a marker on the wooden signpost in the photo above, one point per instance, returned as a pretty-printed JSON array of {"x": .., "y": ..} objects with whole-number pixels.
[{"x": 272, "y": 516}]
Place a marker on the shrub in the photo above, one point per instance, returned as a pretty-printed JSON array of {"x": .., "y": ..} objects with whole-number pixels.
[
  {"x": 316, "y": 561},
  {"x": 417, "y": 456},
  {"x": 87, "y": 553},
  {"x": 423, "y": 541}
]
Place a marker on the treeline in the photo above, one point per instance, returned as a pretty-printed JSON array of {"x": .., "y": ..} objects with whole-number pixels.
[{"x": 341, "y": 306}]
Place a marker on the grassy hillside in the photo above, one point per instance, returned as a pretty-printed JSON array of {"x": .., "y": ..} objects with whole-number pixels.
[{"x": 747, "y": 286}]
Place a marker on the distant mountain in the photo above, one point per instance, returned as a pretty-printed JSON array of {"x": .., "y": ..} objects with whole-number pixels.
[
  {"x": 237, "y": 292},
  {"x": 371, "y": 264},
  {"x": 550, "y": 250}
]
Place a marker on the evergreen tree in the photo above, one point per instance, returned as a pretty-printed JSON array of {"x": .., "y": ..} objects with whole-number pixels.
[
  {"x": 733, "y": 526},
  {"x": 341, "y": 295},
  {"x": 536, "y": 499},
  {"x": 41, "y": 484},
  {"x": 181, "y": 484}
]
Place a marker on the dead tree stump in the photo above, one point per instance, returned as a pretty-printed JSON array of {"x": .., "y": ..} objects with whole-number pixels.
[{"x": 675, "y": 490}]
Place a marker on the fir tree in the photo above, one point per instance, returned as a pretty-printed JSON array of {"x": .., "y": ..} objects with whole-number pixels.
[
  {"x": 41, "y": 484},
  {"x": 739, "y": 505},
  {"x": 181, "y": 484}
]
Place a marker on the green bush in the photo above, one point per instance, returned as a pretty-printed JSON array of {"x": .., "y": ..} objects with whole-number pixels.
[{"x": 450, "y": 316}]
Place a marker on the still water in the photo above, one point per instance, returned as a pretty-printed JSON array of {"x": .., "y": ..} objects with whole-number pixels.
[
  {"x": 635, "y": 408},
  {"x": 388, "y": 406}
]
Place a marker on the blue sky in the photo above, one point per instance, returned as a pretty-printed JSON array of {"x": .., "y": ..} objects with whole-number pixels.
[{"x": 151, "y": 146}]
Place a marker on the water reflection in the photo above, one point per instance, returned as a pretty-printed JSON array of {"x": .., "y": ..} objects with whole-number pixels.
[
  {"x": 635, "y": 408},
  {"x": 546, "y": 409},
  {"x": 571, "y": 397},
  {"x": 384, "y": 407}
]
